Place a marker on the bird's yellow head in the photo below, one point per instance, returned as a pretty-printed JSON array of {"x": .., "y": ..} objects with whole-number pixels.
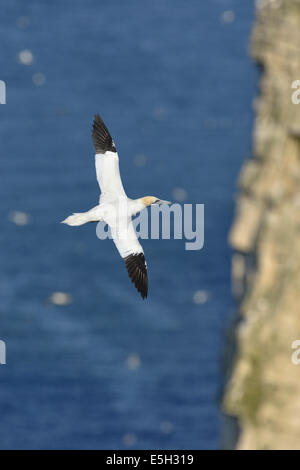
[{"x": 150, "y": 200}]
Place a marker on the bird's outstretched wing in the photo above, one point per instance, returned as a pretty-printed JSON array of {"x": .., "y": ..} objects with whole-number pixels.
[
  {"x": 106, "y": 160},
  {"x": 125, "y": 239}
]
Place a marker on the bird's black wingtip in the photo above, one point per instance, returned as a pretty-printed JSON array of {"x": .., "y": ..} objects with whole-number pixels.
[
  {"x": 101, "y": 137},
  {"x": 137, "y": 271},
  {"x": 97, "y": 118}
]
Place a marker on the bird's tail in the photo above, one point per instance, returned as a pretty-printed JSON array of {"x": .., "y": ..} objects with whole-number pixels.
[{"x": 77, "y": 219}]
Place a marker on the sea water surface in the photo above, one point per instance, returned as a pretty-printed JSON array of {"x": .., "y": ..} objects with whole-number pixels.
[{"x": 95, "y": 366}]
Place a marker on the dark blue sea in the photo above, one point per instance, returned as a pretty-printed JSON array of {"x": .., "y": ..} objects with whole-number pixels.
[{"x": 90, "y": 365}]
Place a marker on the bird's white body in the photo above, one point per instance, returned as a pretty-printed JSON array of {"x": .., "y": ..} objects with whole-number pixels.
[{"x": 115, "y": 208}]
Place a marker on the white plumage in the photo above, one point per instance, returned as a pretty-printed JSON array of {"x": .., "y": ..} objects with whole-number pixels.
[
  {"x": 108, "y": 175},
  {"x": 115, "y": 208}
]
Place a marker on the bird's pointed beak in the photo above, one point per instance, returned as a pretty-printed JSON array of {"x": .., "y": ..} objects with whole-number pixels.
[{"x": 161, "y": 201}]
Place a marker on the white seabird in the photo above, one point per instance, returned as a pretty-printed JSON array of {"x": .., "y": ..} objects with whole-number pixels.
[{"x": 115, "y": 208}]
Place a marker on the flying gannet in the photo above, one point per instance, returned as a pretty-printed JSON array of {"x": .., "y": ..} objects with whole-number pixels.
[{"x": 115, "y": 208}]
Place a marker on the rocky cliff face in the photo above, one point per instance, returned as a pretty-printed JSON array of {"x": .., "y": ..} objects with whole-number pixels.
[{"x": 263, "y": 391}]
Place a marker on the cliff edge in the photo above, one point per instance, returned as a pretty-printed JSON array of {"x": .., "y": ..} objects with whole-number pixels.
[{"x": 263, "y": 390}]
